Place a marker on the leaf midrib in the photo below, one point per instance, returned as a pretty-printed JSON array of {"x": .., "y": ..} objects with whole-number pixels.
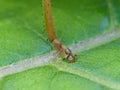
[{"x": 47, "y": 59}]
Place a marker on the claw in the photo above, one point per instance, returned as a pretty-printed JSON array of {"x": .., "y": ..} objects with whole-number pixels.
[{"x": 69, "y": 56}]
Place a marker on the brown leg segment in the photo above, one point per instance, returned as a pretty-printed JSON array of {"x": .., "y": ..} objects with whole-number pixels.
[{"x": 51, "y": 33}]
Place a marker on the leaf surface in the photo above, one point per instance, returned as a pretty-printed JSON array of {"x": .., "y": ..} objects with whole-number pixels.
[{"x": 22, "y": 36}]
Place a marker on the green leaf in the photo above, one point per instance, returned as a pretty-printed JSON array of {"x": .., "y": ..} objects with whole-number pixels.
[
  {"x": 47, "y": 78},
  {"x": 22, "y": 36}
]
